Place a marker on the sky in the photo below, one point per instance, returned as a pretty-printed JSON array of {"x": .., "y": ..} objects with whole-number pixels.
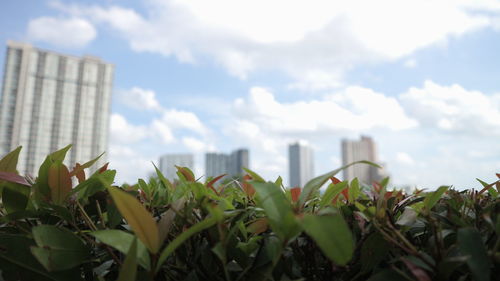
[{"x": 420, "y": 77}]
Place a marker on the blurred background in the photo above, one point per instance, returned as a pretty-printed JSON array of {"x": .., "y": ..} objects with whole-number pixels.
[{"x": 299, "y": 86}]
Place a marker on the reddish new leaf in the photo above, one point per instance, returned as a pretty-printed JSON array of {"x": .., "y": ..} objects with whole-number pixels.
[
  {"x": 295, "y": 193},
  {"x": 78, "y": 172},
  {"x": 13, "y": 177},
  {"x": 188, "y": 175},
  {"x": 210, "y": 184},
  {"x": 59, "y": 182},
  {"x": 335, "y": 180},
  {"x": 103, "y": 168}
]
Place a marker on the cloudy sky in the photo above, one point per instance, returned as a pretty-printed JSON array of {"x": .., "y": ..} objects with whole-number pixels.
[{"x": 421, "y": 77}]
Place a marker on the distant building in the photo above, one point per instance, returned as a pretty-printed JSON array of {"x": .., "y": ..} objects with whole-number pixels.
[
  {"x": 232, "y": 164},
  {"x": 364, "y": 149},
  {"x": 169, "y": 161},
  {"x": 216, "y": 164},
  {"x": 237, "y": 161},
  {"x": 301, "y": 164},
  {"x": 50, "y": 100}
]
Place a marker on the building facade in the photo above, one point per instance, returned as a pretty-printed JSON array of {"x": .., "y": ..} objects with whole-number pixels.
[
  {"x": 301, "y": 164},
  {"x": 231, "y": 164},
  {"x": 50, "y": 100},
  {"x": 364, "y": 149},
  {"x": 169, "y": 161},
  {"x": 237, "y": 161}
]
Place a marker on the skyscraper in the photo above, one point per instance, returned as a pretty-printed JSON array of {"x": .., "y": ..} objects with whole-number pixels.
[
  {"x": 301, "y": 164},
  {"x": 50, "y": 100},
  {"x": 232, "y": 164},
  {"x": 364, "y": 149},
  {"x": 237, "y": 161},
  {"x": 169, "y": 161},
  {"x": 216, "y": 164}
]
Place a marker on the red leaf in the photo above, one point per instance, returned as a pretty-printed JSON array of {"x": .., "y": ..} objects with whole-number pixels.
[
  {"x": 345, "y": 192},
  {"x": 103, "y": 168},
  {"x": 295, "y": 193},
  {"x": 78, "y": 172},
  {"x": 335, "y": 180},
  {"x": 377, "y": 187},
  {"x": 13, "y": 177},
  {"x": 186, "y": 173},
  {"x": 211, "y": 183},
  {"x": 258, "y": 226},
  {"x": 248, "y": 189}
]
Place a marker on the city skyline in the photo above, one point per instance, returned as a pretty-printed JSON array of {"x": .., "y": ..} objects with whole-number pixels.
[
  {"x": 50, "y": 100},
  {"x": 194, "y": 77}
]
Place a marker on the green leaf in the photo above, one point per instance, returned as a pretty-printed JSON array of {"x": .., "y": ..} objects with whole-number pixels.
[
  {"x": 330, "y": 193},
  {"x": 278, "y": 209},
  {"x": 15, "y": 197},
  {"x": 122, "y": 241},
  {"x": 58, "y": 249},
  {"x": 166, "y": 183},
  {"x": 59, "y": 182},
  {"x": 139, "y": 219},
  {"x": 128, "y": 271},
  {"x": 316, "y": 183},
  {"x": 86, "y": 165},
  {"x": 94, "y": 184},
  {"x": 354, "y": 190},
  {"x": 42, "y": 181},
  {"x": 254, "y": 175},
  {"x": 16, "y": 251},
  {"x": 373, "y": 251},
  {"x": 471, "y": 244},
  {"x": 172, "y": 246},
  {"x": 9, "y": 161},
  {"x": 408, "y": 217},
  {"x": 332, "y": 235},
  {"x": 433, "y": 197}
]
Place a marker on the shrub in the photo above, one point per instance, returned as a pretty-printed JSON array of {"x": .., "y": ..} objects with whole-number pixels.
[{"x": 246, "y": 229}]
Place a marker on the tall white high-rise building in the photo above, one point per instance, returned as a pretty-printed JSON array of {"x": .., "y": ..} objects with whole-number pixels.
[
  {"x": 50, "y": 100},
  {"x": 364, "y": 149},
  {"x": 169, "y": 161},
  {"x": 301, "y": 164}
]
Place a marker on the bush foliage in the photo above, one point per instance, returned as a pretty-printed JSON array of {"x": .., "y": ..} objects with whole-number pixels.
[{"x": 65, "y": 225}]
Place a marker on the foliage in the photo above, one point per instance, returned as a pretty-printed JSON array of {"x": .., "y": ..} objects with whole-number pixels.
[{"x": 66, "y": 226}]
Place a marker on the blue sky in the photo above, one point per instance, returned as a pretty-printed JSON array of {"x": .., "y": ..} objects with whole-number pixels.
[{"x": 421, "y": 77}]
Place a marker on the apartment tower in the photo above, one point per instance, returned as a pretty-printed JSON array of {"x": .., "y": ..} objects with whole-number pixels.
[
  {"x": 301, "y": 164},
  {"x": 169, "y": 161},
  {"x": 50, "y": 100},
  {"x": 364, "y": 149}
]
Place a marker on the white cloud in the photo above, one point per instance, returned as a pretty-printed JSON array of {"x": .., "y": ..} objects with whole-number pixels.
[
  {"x": 64, "y": 32},
  {"x": 453, "y": 109},
  {"x": 354, "y": 109},
  {"x": 314, "y": 42},
  {"x": 404, "y": 158},
  {"x": 129, "y": 163},
  {"x": 197, "y": 145},
  {"x": 141, "y": 99},
  {"x": 410, "y": 63},
  {"x": 124, "y": 132}
]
